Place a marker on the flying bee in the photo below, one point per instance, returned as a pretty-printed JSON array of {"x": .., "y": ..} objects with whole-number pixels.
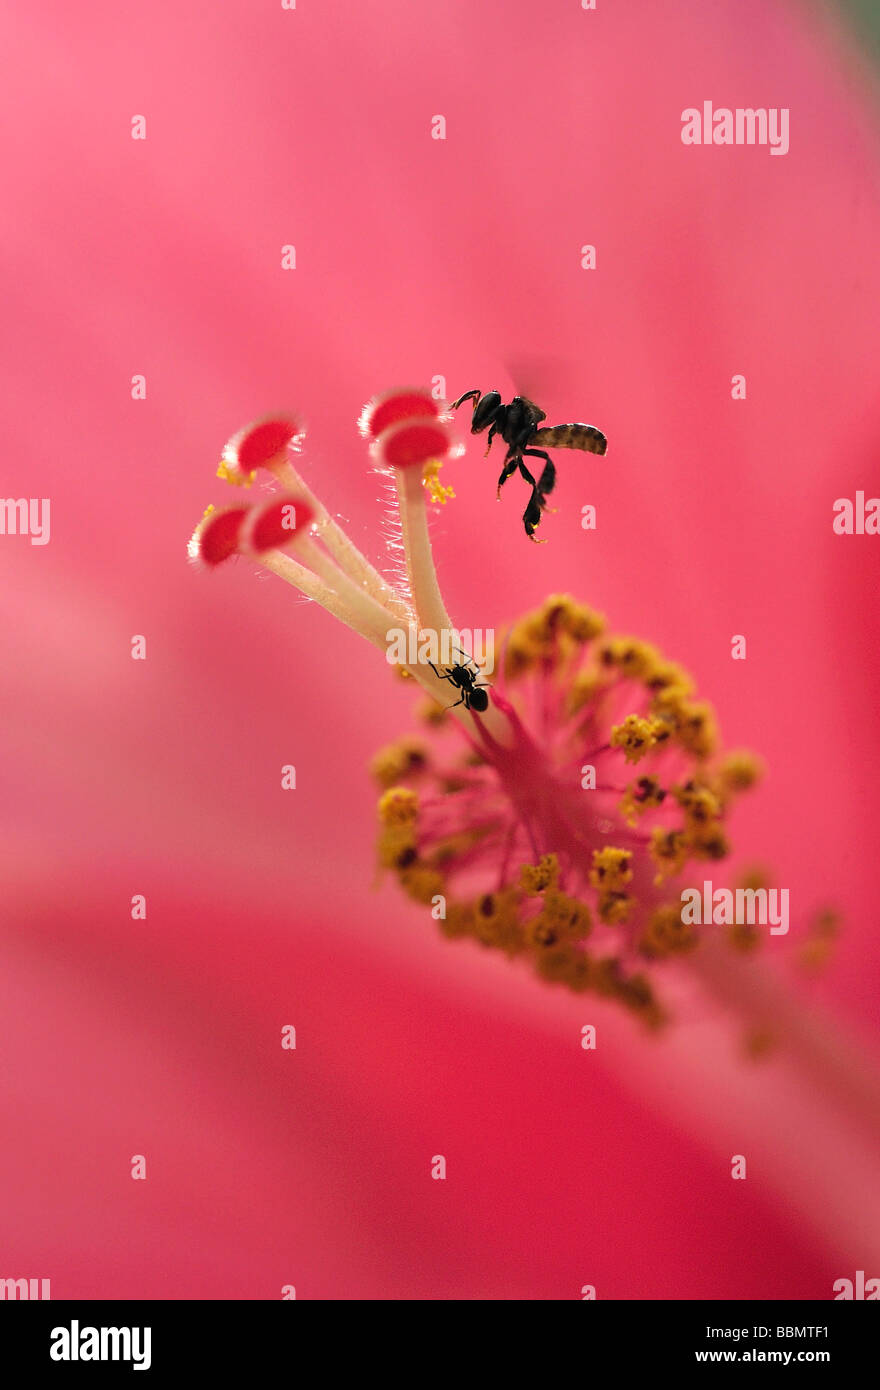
[{"x": 519, "y": 427}]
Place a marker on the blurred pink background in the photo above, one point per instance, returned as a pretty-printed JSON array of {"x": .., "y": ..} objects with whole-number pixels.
[{"x": 415, "y": 258}]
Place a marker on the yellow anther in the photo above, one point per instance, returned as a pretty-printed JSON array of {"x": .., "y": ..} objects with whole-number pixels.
[
  {"x": 636, "y": 736},
  {"x": 669, "y": 850},
  {"x": 669, "y": 676},
  {"x": 700, "y": 805},
  {"x": 635, "y": 659},
  {"x": 611, "y": 868},
  {"x": 536, "y": 878},
  {"x": 566, "y": 918},
  {"x": 398, "y": 760},
  {"x": 739, "y": 770},
  {"x": 422, "y": 884},
  {"x": 398, "y": 806},
  {"x": 707, "y": 841},
  {"x": 695, "y": 728},
  {"x": 397, "y": 847},
  {"x": 615, "y": 908},
  {"x": 666, "y": 934},
  {"x": 643, "y": 795},
  {"x": 585, "y": 623}
]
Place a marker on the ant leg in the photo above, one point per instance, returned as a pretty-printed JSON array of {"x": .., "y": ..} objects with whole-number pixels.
[
  {"x": 493, "y": 430},
  {"x": 510, "y": 467},
  {"x": 468, "y": 659},
  {"x": 438, "y": 674},
  {"x": 468, "y": 396}
]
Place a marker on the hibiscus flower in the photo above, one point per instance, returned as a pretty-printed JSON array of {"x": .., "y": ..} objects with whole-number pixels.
[{"x": 416, "y": 259}]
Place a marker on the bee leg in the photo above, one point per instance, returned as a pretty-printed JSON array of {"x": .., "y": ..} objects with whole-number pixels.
[
  {"x": 510, "y": 467},
  {"x": 547, "y": 480},
  {"x": 532, "y": 515},
  {"x": 533, "y": 512},
  {"x": 526, "y": 474}
]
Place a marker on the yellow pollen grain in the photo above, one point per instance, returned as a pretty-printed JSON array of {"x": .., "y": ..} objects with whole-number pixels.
[
  {"x": 432, "y": 485},
  {"x": 233, "y": 475}
]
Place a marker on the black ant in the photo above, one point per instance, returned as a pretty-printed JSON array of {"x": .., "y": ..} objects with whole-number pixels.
[
  {"x": 517, "y": 424},
  {"x": 461, "y": 675}
]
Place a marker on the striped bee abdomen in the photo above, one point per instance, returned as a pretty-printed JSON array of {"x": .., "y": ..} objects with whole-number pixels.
[{"x": 577, "y": 436}]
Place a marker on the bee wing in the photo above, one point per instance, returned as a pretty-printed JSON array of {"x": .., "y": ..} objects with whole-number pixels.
[
  {"x": 574, "y": 436},
  {"x": 543, "y": 377}
]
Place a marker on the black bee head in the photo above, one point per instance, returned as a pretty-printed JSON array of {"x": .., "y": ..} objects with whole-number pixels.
[{"x": 487, "y": 408}]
